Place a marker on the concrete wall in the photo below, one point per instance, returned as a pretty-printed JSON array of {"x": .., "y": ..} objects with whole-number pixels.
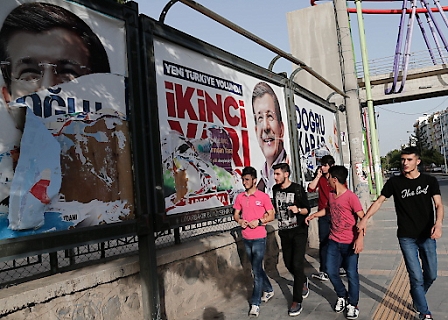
[
  {"x": 313, "y": 39},
  {"x": 192, "y": 276}
]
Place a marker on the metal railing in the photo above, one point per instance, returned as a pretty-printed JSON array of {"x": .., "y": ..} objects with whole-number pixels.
[
  {"x": 17, "y": 271},
  {"x": 381, "y": 66}
]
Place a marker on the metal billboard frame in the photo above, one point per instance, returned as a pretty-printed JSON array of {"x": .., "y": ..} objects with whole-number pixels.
[
  {"x": 13, "y": 248},
  {"x": 152, "y": 29}
]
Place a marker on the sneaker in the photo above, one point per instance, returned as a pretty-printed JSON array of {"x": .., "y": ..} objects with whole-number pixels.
[
  {"x": 306, "y": 289},
  {"x": 267, "y": 296},
  {"x": 426, "y": 317},
  {"x": 352, "y": 312},
  {"x": 295, "y": 309},
  {"x": 321, "y": 276},
  {"x": 342, "y": 272},
  {"x": 340, "y": 305},
  {"x": 254, "y": 311}
]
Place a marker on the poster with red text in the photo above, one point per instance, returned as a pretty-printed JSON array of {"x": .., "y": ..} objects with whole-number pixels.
[{"x": 214, "y": 121}]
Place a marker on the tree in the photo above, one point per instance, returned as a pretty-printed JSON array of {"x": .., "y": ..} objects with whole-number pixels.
[
  {"x": 392, "y": 160},
  {"x": 431, "y": 156}
]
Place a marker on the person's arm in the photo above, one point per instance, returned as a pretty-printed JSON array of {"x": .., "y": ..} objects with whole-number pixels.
[
  {"x": 360, "y": 214},
  {"x": 317, "y": 214},
  {"x": 237, "y": 217},
  {"x": 302, "y": 205},
  {"x": 436, "y": 231},
  {"x": 268, "y": 216},
  {"x": 358, "y": 246},
  {"x": 297, "y": 210},
  {"x": 312, "y": 186},
  {"x": 362, "y": 224}
]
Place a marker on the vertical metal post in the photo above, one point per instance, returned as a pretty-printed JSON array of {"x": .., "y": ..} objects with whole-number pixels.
[
  {"x": 370, "y": 109},
  {"x": 355, "y": 132},
  {"x": 443, "y": 140},
  {"x": 53, "y": 262},
  {"x": 176, "y": 235}
]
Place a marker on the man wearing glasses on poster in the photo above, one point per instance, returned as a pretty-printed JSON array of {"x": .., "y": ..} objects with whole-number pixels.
[{"x": 41, "y": 46}]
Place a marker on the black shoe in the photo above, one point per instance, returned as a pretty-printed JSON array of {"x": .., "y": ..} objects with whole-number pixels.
[
  {"x": 342, "y": 272},
  {"x": 295, "y": 309}
]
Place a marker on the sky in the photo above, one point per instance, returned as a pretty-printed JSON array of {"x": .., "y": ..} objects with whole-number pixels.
[{"x": 267, "y": 20}]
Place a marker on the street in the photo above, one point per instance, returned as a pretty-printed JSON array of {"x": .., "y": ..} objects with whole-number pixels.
[{"x": 443, "y": 182}]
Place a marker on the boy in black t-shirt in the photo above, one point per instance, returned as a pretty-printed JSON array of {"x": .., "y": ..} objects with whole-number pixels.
[
  {"x": 418, "y": 227},
  {"x": 291, "y": 204}
]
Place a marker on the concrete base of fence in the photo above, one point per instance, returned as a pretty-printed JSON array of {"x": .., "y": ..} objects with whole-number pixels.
[{"x": 191, "y": 276}]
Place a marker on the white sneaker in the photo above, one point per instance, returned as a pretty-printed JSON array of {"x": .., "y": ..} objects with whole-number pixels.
[
  {"x": 267, "y": 296},
  {"x": 352, "y": 312},
  {"x": 254, "y": 311},
  {"x": 321, "y": 276},
  {"x": 340, "y": 305}
]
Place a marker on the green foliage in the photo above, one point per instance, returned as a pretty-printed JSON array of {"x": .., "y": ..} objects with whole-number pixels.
[
  {"x": 430, "y": 156},
  {"x": 391, "y": 160}
]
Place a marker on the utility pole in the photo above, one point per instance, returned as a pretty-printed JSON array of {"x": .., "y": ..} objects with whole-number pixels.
[
  {"x": 443, "y": 140},
  {"x": 350, "y": 83},
  {"x": 370, "y": 110}
]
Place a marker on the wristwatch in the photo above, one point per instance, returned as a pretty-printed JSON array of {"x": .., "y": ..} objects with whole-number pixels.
[{"x": 260, "y": 223}]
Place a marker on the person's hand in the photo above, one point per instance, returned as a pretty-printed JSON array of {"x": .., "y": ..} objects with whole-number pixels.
[
  {"x": 358, "y": 246},
  {"x": 294, "y": 209},
  {"x": 253, "y": 224},
  {"x": 361, "y": 226},
  {"x": 319, "y": 172},
  {"x": 436, "y": 231},
  {"x": 309, "y": 218},
  {"x": 243, "y": 223}
]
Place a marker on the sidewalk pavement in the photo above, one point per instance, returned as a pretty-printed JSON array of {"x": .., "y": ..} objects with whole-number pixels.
[{"x": 384, "y": 284}]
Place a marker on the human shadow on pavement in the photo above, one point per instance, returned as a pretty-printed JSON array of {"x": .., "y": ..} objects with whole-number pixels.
[
  {"x": 229, "y": 272},
  {"x": 271, "y": 261},
  {"x": 318, "y": 287},
  {"x": 246, "y": 273},
  {"x": 212, "y": 314}
]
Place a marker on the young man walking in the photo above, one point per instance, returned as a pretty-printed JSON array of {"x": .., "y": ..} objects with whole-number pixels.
[
  {"x": 416, "y": 195},
  {"x": 321, "y": 185},
  {"x": 292, "y": 207},
  {"x": 345, "y": 243},
  {"x": 253, "y": 209}
]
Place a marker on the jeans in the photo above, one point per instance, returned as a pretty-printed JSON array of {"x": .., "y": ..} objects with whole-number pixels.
[
  {"x": 324, "y": 231},
  {"x": 293, "y": 247},
  {"x": 341, "y": 252},
  {"x": 421, "y": 276},
  {"x": 255, "y": 250}
]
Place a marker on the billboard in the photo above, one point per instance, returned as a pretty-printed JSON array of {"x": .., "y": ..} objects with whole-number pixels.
[
  {"x": 65, "y": 159},
  {"x": 214, "y": 121},
  {"x": 317, "y": 136}
]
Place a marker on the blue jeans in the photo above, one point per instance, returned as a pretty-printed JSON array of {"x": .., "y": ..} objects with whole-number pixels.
[
  {"x": 337, "y": 253},
  {"x": 324, "y": 231},
  {"x": 255, "y": 250},
  {"x": 421, "y": 276}
]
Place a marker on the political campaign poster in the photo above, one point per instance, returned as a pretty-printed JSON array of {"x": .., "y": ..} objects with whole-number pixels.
[
  {"x": 214, "y": 121},
  {"x": 317, "y": 134},
  {"x": 65, "y": 159}
]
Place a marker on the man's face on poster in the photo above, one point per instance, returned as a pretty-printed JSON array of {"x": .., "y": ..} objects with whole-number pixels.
[
  {"x": 267, "y": 127},
  {"x": 40, "y": 60}
]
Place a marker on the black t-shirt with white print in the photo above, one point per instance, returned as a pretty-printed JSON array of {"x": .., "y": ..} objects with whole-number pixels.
[
  {"x": 413, "y": 204},
  {"x": 283, "y": 198}
]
